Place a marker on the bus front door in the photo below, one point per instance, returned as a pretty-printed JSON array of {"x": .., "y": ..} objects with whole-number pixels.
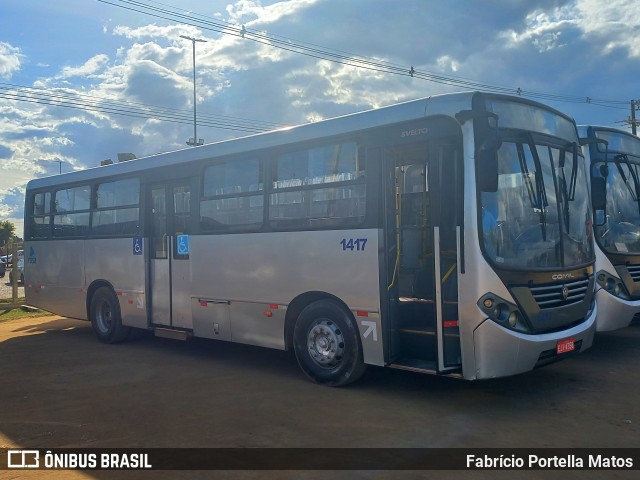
[
  {"x": 422, "y": 235},
  {"x": 169, "y": 268}
]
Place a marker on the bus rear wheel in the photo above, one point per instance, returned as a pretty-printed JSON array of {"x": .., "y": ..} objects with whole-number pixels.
[
  {"x": 327, "y": 344},
  {"x": 105, "y": 316}
]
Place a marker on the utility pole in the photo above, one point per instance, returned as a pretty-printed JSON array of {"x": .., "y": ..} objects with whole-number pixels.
[
  {"x": 194, "y": 142},
  {"x": 632, "y": 119}
]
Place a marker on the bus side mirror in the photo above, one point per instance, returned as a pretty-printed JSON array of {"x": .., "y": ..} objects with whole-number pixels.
[
  {"x": 599, "y": 199},
  {"x": 598, "y": 193},
  {"x": 487, "y": 164}
]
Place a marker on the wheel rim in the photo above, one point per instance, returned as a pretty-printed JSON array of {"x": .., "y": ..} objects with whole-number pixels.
[
  {"x": 104, "y": 317},
  {"x": 325, "y": 343}
]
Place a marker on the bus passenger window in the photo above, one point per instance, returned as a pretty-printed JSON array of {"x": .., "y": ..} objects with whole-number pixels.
[
  {"x": 233, "y": 198},
  {"x": 40, "y": 224},
  {"x": 117, "y": 208},
  {"x": 72, "y": 212},
  {"x": 322, "y": 186}
]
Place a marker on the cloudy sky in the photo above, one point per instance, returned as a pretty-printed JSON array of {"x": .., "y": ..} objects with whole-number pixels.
[{"x": 124, "y": 64}]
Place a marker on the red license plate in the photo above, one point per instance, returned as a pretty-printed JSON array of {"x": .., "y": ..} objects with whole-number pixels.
[{"x": 565, "y": 346}]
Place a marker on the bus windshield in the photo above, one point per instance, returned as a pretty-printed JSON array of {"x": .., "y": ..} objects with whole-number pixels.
[
  {"x": 540, "y": 216},
  {"x": 618, "y": 143},
  {"x": 621, "y": 230}
]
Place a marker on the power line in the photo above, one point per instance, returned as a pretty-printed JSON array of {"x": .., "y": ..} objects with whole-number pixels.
[
  {"x": 174, "y": 14},
  {"x": 62, "y": 98}
]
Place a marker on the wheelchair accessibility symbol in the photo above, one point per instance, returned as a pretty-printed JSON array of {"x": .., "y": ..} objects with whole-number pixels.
[
  {"x": 137, "y": 245},
  {"x": 183, "y": 244}
]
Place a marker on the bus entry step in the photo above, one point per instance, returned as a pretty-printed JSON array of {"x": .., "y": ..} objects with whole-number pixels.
[{"x": 172, "y": 334}]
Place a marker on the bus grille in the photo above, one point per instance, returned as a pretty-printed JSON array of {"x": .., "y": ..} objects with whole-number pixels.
[
  {"x": 554, "y": 295},
  {"x": 634, "y": 271}
]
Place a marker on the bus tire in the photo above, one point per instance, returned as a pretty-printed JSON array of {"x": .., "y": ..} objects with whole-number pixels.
[
  {"x": 105, "y": 316},
  {"x": 327, "y": 344}
]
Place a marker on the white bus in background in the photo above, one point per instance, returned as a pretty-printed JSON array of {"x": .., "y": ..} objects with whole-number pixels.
[
  {"x": 614, "y": 156},
  {"x": 448, "y": 235}
]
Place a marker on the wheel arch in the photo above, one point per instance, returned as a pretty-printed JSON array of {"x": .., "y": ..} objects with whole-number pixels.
[
  {"x": 298, "y": 304},
  {"x": 91, "y": 290}
]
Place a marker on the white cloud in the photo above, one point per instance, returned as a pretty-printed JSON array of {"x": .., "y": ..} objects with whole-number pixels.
[
  {"x": 613, "y": 24},
  {"x": 153, "y": 31},
  {"x": 543, "y": 29},
  {"x": 10, "y": 60},
  {"x": 90, "y": 68},
  {"x": 252, "y": 13},
  {"x": 446, "y": 63}
]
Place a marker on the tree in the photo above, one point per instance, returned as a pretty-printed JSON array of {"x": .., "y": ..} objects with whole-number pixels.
[{"x": 7, "y": 231}]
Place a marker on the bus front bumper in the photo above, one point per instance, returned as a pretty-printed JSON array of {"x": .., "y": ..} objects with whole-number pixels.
[
  {"x": 500, "y": 352},
  {"x": 614, "y": 312}
]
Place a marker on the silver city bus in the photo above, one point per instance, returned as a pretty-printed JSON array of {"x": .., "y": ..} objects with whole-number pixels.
[
  {"x": 614, "y": 156},
  {"x": 449, "y": 235}
]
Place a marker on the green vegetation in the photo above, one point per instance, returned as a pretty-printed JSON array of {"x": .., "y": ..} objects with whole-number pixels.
[
  {"x": 19, "y": 312},
  {"x": 7, "y": 230}
]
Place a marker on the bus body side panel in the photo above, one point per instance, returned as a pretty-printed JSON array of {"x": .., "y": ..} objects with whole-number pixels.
[
  {"x": 54, "y": 276},
  {"x": 115, "y": 261},
  {"x": 613, "y": 312},
  {"x": 244, "y": 282}
]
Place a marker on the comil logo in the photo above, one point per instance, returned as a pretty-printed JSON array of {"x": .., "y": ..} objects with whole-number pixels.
[
  {"x": 562, "y": 276},
  {"x": 23, "y": 459}
]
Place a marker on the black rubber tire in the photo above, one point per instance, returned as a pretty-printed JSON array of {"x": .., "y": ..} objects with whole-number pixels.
[
  {"x": 105, "y": 317},
  {"x": 327, "y": 344}
]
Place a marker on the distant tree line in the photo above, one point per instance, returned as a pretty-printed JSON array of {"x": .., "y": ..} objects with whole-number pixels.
[{"x": 7, "y": 233}]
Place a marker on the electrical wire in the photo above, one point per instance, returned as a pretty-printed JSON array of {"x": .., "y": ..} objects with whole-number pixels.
[
  {"x": 174, "y": 14},
  {"x": 62, "y": 98}
]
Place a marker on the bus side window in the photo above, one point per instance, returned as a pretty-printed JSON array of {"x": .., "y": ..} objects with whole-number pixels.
[
  {"x": 72, "y": 212},
  {"x": 233, "y": 196},
  {"x": 117, "y": 209},
  {"x": 320, "y": 186},
  {"x": 41, "y": 219}
]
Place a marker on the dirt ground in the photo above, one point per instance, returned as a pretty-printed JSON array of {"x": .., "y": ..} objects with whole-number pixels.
[{"x": 60, "y": 387}]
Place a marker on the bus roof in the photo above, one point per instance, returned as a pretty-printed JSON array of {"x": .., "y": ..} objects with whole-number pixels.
[
  {"x": 583, "y": 130},
  {"x": 446, "y": 104},
  {"x": 619, "y": 141}
]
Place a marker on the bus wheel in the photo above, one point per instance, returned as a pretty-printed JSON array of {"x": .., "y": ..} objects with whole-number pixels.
[
  {"x": 105, "y": 316},
  {"x": 327, "y": 345}
]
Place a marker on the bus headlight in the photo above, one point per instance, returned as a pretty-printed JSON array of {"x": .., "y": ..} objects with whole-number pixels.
[
  {"x": 503, "y": 312},
  {"x": 513, "y": 319},
  {"x": 612, "y": 284}
]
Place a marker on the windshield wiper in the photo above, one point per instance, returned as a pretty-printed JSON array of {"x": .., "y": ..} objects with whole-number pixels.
[
  {"x": 568, "y": 192},
  {"x": 541, "y": 194},
  {"x": 527, "y": 176},
  {"x": 574, "y": 174},
  {"x": 635, "y": 191}
]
